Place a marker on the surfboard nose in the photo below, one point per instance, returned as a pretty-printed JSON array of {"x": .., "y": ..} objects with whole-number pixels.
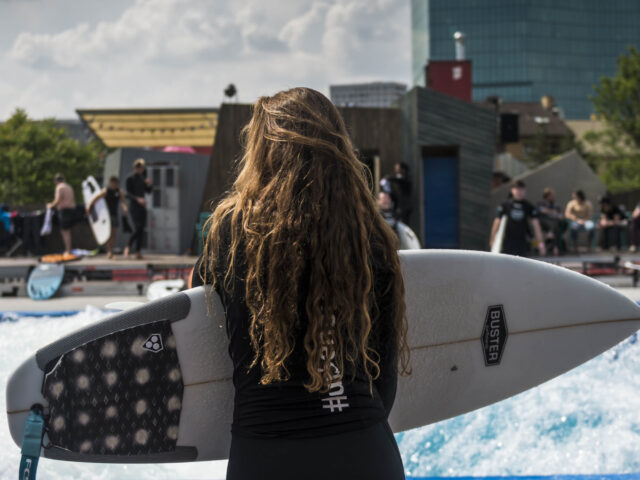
[{"x": 484, "y": 327}]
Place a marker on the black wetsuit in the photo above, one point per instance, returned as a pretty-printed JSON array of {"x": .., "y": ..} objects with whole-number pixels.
[
  {"x": 281, "y": 431},
  {"x": 136, "y": 188},
  {"x": 112, "y": 197},
  {"x": 518, "y": 212}
]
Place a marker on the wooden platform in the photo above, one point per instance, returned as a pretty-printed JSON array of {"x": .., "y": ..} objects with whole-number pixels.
[
  {"x": 103, "y": 261},
  {"x": 99, "y": 275}
]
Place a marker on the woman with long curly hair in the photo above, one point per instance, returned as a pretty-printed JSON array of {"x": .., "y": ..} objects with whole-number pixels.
[{"x": 309, "y": 277}]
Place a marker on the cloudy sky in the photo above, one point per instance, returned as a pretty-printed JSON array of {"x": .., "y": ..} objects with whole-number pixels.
[{"x": 59, "y": 55}]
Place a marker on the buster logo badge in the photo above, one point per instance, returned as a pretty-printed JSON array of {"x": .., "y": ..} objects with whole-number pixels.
[{"x": 494, "y": 335}]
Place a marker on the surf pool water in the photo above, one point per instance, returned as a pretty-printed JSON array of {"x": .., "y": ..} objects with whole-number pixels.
[{"x": 584, "y": 422}]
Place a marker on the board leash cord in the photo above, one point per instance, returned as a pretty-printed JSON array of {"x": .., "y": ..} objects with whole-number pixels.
[{"x": 31, "y": 444}]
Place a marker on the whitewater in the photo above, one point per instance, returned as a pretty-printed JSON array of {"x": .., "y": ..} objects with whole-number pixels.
[{"x": 584, "y": 422}]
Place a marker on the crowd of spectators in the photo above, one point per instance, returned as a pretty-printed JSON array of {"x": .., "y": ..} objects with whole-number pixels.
[{"x": 549, "y": 227}]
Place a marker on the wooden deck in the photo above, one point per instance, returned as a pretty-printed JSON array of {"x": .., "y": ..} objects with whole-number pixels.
[
  {"x": 98, "y": 275},
  {"x": 103, "y": 262}
]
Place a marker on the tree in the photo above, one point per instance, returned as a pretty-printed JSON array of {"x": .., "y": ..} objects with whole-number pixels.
[
  {"x": 617, "y": 147},
  {"x": 32, "y": 152},
  {"x": 542, "y": 147},
  {"x": 617, "y": 99},
  {"x": 615, "y": 158}
]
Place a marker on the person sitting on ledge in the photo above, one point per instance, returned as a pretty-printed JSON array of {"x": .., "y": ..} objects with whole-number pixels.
[
  {"x": 579, "y": 212},
  {"x": 612, "y": 222}
]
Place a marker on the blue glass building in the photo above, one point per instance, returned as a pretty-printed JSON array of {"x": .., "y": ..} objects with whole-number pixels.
[{"x": 524, "y": 49}]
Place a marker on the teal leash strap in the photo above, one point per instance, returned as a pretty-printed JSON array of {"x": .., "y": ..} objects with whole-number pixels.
[{"x": 31, "y": 444}]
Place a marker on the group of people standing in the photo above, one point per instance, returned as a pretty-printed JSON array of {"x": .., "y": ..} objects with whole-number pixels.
[
  {"x": 137, "y": 185},
  {"x": 550, "y": 222}
]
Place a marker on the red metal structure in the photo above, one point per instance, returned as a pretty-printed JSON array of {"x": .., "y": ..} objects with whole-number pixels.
[{"x": 451, "y": 77}]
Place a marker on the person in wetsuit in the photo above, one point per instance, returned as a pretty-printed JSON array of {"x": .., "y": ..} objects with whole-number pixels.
[
  {"x": 137, "y": 185},
  {"x": 114, "y": 196},
  {"x": 519, "y": 213},
  {"x": 310, "y": 281}
]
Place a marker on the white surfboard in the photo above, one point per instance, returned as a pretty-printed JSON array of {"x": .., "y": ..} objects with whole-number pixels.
[
  {"x": 482, "y": 328},
  {"x": 499, "y": 238},
  {"x": 408, "y": 239},
  {"x": 631, "y": 265},
  {"x": 99, "y": 218}
]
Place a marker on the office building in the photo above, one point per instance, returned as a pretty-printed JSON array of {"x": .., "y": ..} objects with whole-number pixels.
[
  {"x": 375, "y": 94},
  {"x": 522, "y": 50}
]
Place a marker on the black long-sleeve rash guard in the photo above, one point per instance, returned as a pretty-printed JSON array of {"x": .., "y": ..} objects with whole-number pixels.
[
  {"x": 286, "y": 408},
  {"x": 136, "y": 187}
]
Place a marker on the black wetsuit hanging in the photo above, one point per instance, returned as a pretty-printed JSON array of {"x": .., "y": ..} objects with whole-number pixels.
[{"x": 112, "y": 197}]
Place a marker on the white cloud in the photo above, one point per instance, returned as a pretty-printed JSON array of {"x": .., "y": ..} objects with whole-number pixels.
[
  {"x": 184, "y": 52},
  {"x": 150, "y": 30},
  {"x": 304, "y": 33}
]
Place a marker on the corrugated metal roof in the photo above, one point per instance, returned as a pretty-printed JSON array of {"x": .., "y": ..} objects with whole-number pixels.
[{"x": 194, "y": 127}]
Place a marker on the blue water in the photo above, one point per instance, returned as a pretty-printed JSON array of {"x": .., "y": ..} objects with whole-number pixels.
[
  {"x": 584, "y": 422},
  {"x": 9, "y": 316},
  {"x": 631, "y": 476}
]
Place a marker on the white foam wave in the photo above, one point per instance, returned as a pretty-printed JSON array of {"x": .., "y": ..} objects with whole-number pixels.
[{"x": 586, "y": 421}]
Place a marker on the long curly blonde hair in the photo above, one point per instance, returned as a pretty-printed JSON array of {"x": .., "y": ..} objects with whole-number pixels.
[{"x": 302, "y": 203}]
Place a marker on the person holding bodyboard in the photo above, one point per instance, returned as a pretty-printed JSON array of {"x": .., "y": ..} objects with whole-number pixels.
[
  {"x": 113, "y": 196},
  {"x": 518, "y": 212},
  {"x": 310, "y": 280}
]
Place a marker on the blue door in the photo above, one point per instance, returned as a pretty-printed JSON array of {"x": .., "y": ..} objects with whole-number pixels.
[{"x": 440, "y": 193}]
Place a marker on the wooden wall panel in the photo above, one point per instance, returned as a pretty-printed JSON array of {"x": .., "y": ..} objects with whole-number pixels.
[
  {"x": 371, "y": 129},
  {"x": 424, "y": 119},
  {"x": 434, "y": 119}
]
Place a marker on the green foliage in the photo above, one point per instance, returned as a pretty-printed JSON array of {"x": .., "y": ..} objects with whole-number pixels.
[
  {"x": 622, "y": 174},
  {"x": 617, "y": 147},
  {"x": 32, "y": 152},
  {"x": 542, "y": 147},
  {"x": 617, "y": 99},
  {"x": 617, "y": 160}
]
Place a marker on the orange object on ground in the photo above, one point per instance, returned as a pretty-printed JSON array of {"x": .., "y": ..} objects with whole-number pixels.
[{"x": 59, "y": 258}]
